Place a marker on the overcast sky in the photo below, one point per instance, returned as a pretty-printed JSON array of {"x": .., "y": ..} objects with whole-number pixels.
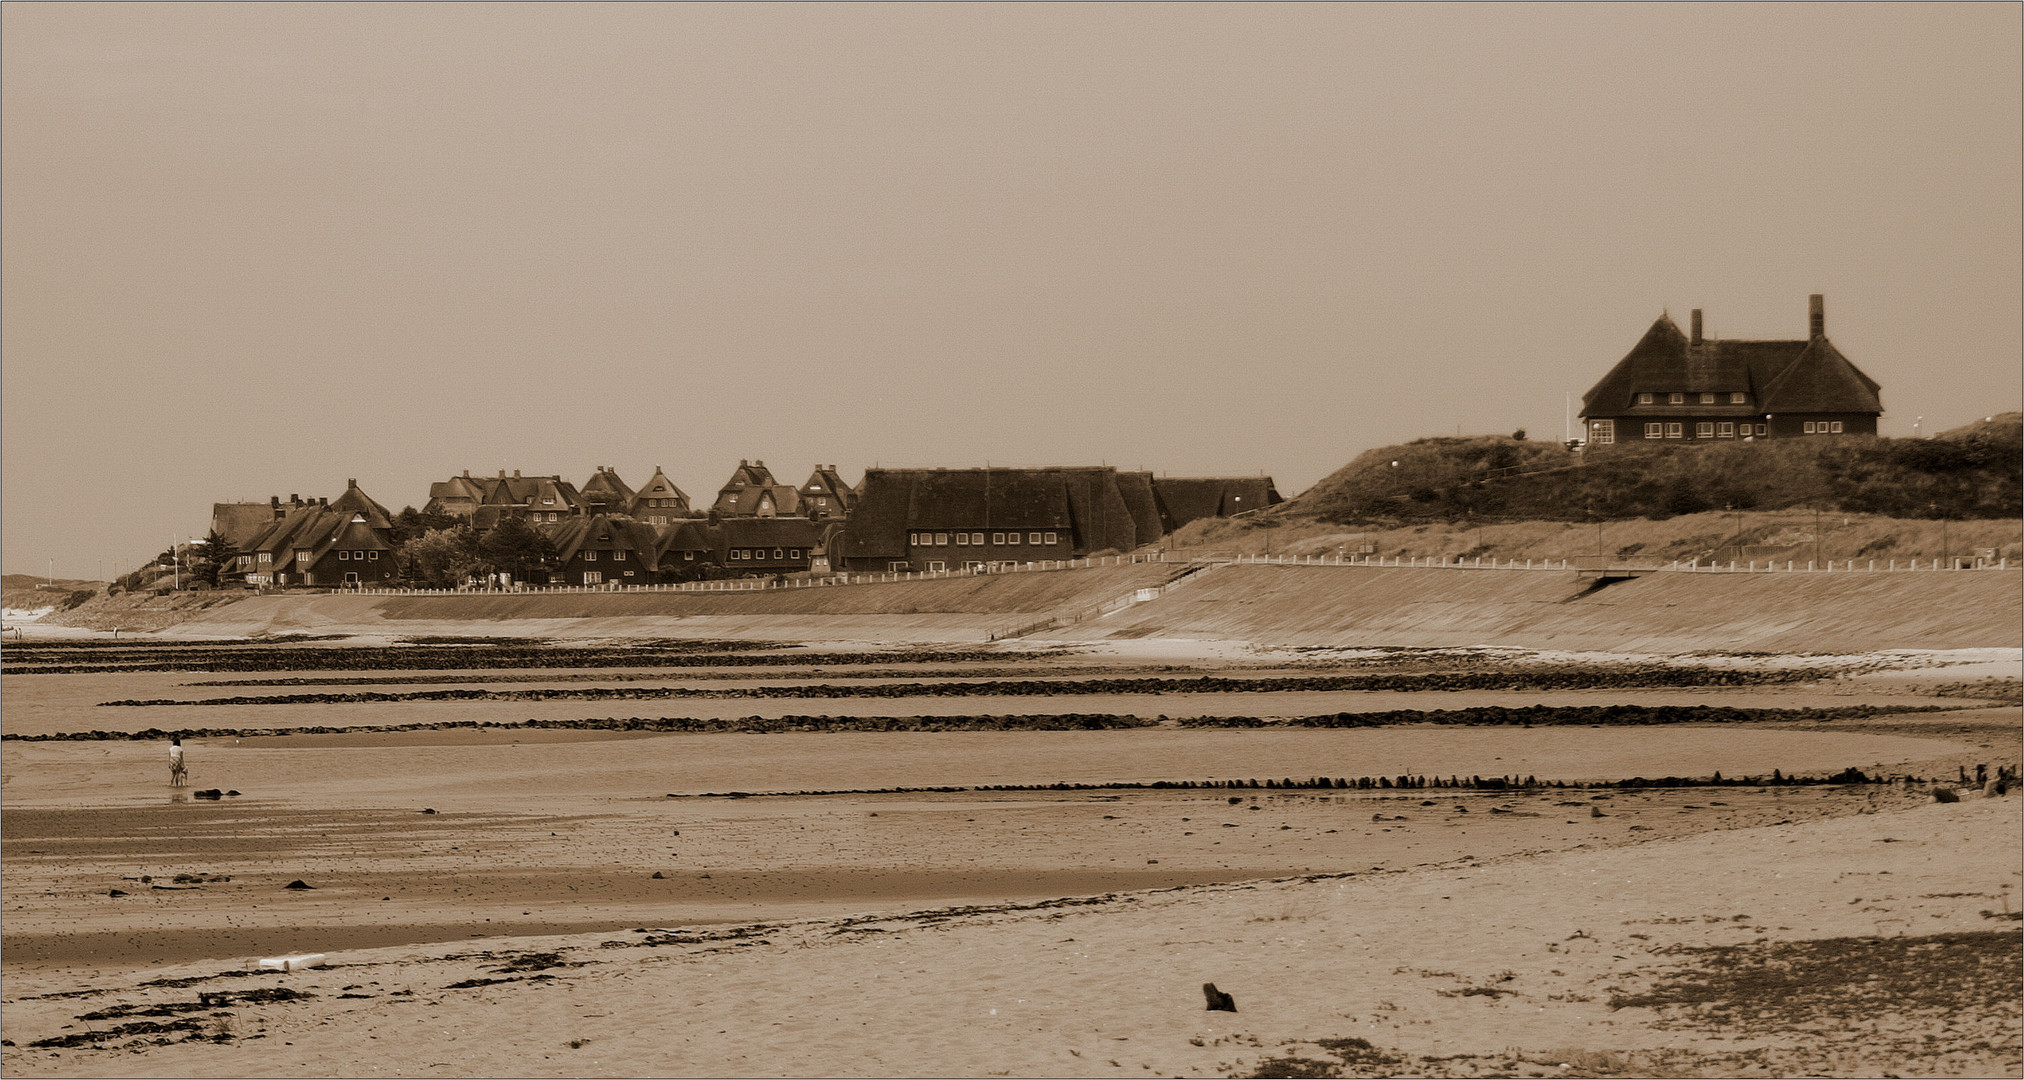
[{"x": 258, "y": 249}]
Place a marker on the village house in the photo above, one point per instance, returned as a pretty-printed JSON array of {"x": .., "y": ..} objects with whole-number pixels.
[
  {"x": 659, "y": 501},
  {"x": 1688, "y": 387},
  {"x": 605, "y": 492},
  {"x": 825, "y": 495},
  {"x": 345, "y": 541},
  {"x": 952, "y": 519},
  {"x": 779, "y": 545},
  {"x": 753, "y": 492},
  {"x": 531, "y": 498},
  {"x": 600, "y": 549}
]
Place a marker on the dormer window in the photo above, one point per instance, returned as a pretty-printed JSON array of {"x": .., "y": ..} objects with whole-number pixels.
[
  {"x": 1644, "y": 399},
  {"x": 1676, "y": 399},
  {"x": 1707, "y": 399},
  {"x": 1737, "y": 397}
]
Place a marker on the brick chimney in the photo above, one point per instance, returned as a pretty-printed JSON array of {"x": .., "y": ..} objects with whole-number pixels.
[
  {"x": 1816, "y": 316},
  {"x": 1696, "y": 338}
]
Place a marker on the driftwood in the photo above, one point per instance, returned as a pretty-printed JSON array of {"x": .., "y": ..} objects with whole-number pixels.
[{"x": 1218, "y": 1000}]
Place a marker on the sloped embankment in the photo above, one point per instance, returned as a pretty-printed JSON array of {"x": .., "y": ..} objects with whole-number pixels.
[
  {"x": 1663, "y": 613},
  {"x": 945, "y": 609}
]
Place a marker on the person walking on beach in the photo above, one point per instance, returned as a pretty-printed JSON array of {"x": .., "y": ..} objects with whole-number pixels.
[{"x": 178, "y": 775}]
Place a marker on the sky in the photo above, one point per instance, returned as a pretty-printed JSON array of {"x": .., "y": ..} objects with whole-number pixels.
[{"x": 260, "y": 249}]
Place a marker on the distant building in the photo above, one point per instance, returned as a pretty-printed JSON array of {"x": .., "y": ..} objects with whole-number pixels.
[
  {"x": 950, "y": 519},
  {"x": 532, "y": 498},
  {"x": 753, "y": 492},
  {"x": 328, "y": 542},
  {"x": 825, "y": 495},
  {"x": 1689, "y": 388},
  {"x": 659, "y": 501},
  {"x": 599, "y": 549},
  {"x": 605, "y": 491}
]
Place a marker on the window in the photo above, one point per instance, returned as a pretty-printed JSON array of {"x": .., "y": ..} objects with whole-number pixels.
[
  {"x": 937, "y": 564},
  {"x": 267, "y": 556},
  {"x": 896, "y": 567},
  {"x": 997, "y": 538},
  {"x": 1051, "y": 539},
  {"x": 1676, "y": 399},
  {"x": 374, "y": 556},
  {"x": 592, "y": 577},
  {"x": 1655, "y": 431},
  {"x": 941, "y": 539},
  {"x": 794, "y": 553},
  {"x": 618, "y": 556},
  {"x": 1809, "y": 427},
  {"x": 343, "y": 555},
  {"x": 1704, "y": 429},
  {"x": 689, "y": 556},
  {"x": 1837, "y": 427},
  {"x": 1762, "y": 429},
  {"x": 1032, "y": 538},
  {"x": 1603, "y": 432},
  {"x": 1707, "y": 399},
  {"x": 1725, "y": 430},
  {"x": 1675, "y": 430},
  {"x": 590, "y": 556},
  {"x": 1012, "y": 538},
  {"x": 778, "y": 554},
  {"x": 1644, "y": 399},
  {"x": 302, "y": 556},
  {"x": 1737, "y": 397},
  {"x": 963, "y": 538}
]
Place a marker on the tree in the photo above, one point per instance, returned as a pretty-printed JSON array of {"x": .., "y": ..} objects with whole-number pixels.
[
  {"x": 219, "y": 555},
  {"x": 518, "y": 549},
  {"x": 442, "y": 558}
]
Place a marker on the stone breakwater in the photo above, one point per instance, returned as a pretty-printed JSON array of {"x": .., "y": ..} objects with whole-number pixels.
[
  {"x": 42, "y": 660},
  {"x": 1526, "y": 680},
  {"x": 1493, "y": 715}
]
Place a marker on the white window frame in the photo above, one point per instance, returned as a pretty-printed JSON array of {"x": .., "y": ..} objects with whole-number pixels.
[
  {"x": 1644, "y": 399},
  {"x": 1011, "y": 539},
  {"x": 1602, "y": 432},
  {"x": 1704, "y": 429},
  {"x": 1032, "y": 538},
  {"x": 1676, "y": 429},
  {"x": 941, "y": 539},
  {"x": 778, "y": 554},
  {"x": 592, "y": 577},
  {"x": 962, "y": 539},
  {"x": 998, "y": 539},
  {"x": 1807, "y": 427},
  {"x": 590, "y": 556},
  {"x": 1837, "y": 428},
  {"x": 1051, "y": 538},
  {"x": 1676, "y": 398},
  {"x": 1655, "y": 430},
  {"x": 618, "y": 556},
  {"x": 1738, "y": 397},
  {"x": 936, "y": 564},
  {"x": 1725, "y": 430},
  {"x": 1707, "y": 398}
]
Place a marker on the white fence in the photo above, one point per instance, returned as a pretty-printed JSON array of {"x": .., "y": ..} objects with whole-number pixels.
[{"x": 763, "y": 584}]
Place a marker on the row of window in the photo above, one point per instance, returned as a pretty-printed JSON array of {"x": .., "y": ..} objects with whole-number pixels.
[
  {"x": 1823, "y": 427},
  {"x": 976, "y": 539},
  {"x": 616, "y": 556},
  {"x": 1736, "y": 397},
  {"x": 362, "y": 556},
  {"x": 760, "y": 553},
  {"x": 1706, "y": 429}
]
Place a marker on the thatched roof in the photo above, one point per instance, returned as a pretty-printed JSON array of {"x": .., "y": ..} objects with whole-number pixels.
[
  {"x": 1084, "y": 501},
  {"x": 1809, "y": 376},
  {"x": 1186, "y": 498}
]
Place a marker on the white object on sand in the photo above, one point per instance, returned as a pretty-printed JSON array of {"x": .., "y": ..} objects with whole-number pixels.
[{"x": 293, "y": 963}]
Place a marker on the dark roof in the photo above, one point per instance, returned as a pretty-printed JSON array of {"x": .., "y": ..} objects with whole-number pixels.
[
  {"x": 316, "y": 528},
  {"x": 240, "y": 522},
  {"x": 606, "y": 481},
  {"x": 1137, "y": 490},
  {"x": 826, "y": 481},
  {"x": 600, "y": 532},
  {"x": 769, "y": 532},
  {"x": 357, "y": 501},
  {"x": 660, "y": 487},
  {"x": 1780, "y": 376},
  {"x": 1186, "y": 498},
  {"x": 750, "y": 486},
  {"x": 1085, "y": 501}
]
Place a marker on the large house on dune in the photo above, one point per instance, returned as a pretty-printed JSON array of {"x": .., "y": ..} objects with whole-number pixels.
[
  {"x": 1675, "y": 386},
  {"x": 330, "y": 542}
]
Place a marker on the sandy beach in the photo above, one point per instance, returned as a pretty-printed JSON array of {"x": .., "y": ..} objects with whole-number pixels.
[{"x": 562, "y": 900}]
